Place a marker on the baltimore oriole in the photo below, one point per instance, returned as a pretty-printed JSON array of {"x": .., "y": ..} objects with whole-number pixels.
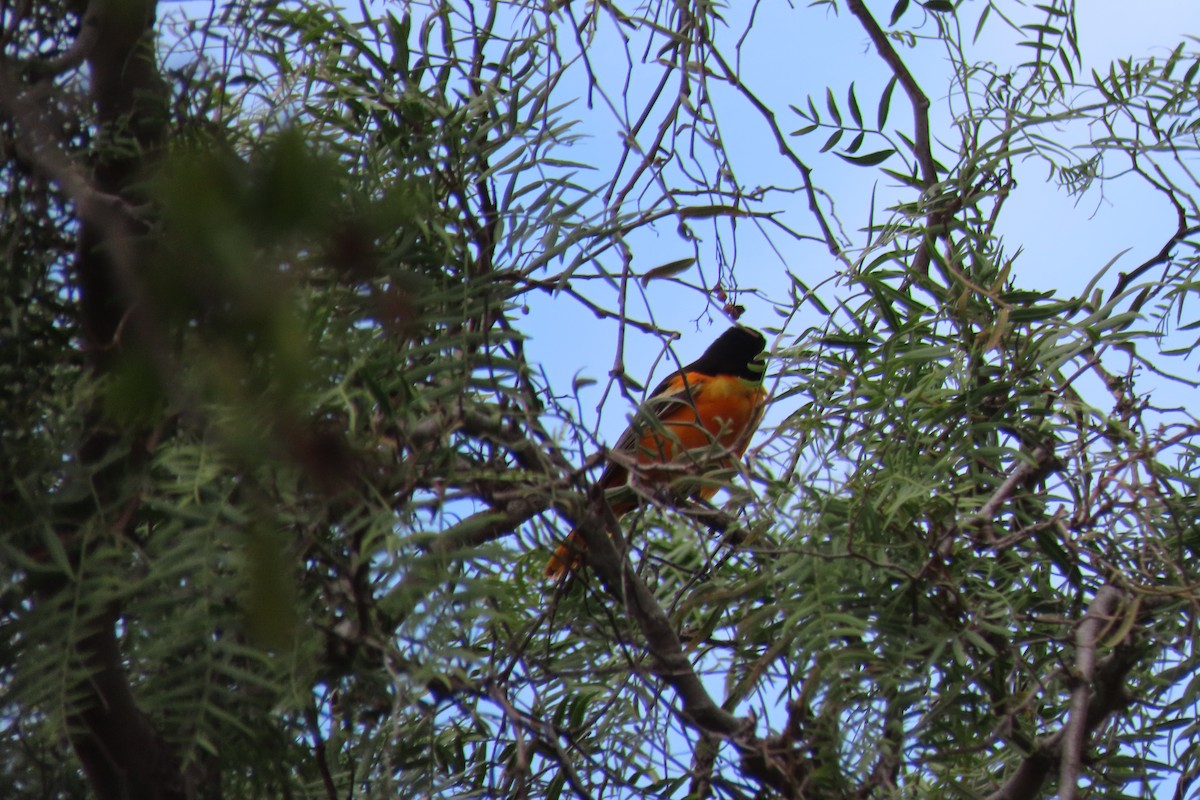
[{"x": 699, "y": 419}]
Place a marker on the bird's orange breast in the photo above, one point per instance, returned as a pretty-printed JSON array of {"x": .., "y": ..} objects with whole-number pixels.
[{"x": 720, "y": 417}]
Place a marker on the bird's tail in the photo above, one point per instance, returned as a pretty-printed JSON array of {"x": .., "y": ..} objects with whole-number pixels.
[{"x": 566, "y": 556}]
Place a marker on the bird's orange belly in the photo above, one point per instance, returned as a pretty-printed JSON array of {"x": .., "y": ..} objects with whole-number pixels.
[{"x": 725, "y": 416}]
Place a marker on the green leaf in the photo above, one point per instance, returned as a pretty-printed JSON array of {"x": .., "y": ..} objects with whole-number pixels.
[
  {"x": 667, "y": 270},
  {"x": 1065, "y": 60},
  {"x": 269, "y": 600},
  {"x": 898, "y": 11},
  {"x": 983, "y": 16},
  {"x": 855, "y": 113},
  {"x": 853, "y": 342},
  {"x": 53, "y": 547},
  {"x": 1190, "y": 75},
  {"x": 832, "y": 141},
  {"x": 885, "y": 102},
  {"x": 1051, "y": 10},
  {"x": 868, "y": 160},
  {"x": 832, "y": 104},
  {"x": 1047, "y": 30}
]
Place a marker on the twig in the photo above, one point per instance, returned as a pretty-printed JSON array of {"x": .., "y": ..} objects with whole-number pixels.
[
  {"x": 320, "y": 752},
  {"x": 920, "y": 102},
  {"x": 1182, "y": 232},
  {"x": 768, "y": 115}
]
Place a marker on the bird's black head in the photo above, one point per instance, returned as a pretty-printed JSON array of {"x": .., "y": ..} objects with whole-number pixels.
[{"x": 735, "y": 352}]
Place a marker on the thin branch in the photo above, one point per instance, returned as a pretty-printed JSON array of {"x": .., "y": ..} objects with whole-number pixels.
[
  {"x": 922, "y": 150},
  {"x": 1042, "y": 457},
  {"x": 546, "y": 735},
  {"x": 731, "y": 77},
  {"x": 77, "y": 53},
  {"x": 1161, "y": 257},
  {"x": 920, "y": 103},
  {"x": 320, "y": 752}
]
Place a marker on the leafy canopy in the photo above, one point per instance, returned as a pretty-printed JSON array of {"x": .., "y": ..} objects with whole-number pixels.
[{"x": 296, "y": 396}]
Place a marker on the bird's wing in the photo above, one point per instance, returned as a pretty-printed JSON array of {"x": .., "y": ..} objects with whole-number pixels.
[{"x": 677, "y": 392}]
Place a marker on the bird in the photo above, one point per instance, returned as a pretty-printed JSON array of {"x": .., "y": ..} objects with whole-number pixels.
[{"x": 699, "y": 418}]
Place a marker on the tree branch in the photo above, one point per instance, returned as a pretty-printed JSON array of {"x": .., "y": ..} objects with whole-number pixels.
[
  {"x": 1041, "y": 458},
  {"x": 731, "y": 77},
  {"x": 920, "y": 103},
  {"x": 671, "y": 665},
  {"x": 487, "y": 526},
  {"x": 78, "y": 52},
  {"x": 922, "y": 149},
  {"x": 1099, "y": 615},
  {"x": 122, "y": 754},
  {"x": 1106, "y": 694},
  {"x": 775, "y": 761}
]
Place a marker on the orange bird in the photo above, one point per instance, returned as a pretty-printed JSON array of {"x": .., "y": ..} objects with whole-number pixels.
[{"x": 699, "y": 419}]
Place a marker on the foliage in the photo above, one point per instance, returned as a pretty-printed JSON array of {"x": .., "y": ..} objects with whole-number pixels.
[{"x": 284, "y": 459}]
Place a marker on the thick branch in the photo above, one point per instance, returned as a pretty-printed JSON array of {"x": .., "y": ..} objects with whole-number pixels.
[
  {"x": 1024, "y": 472},
  {"x": 487, "y": 526},
  {"x": 122, "y": 754},
  {"x": 78, "y": 52},
  {"x": 1106, "y": 695},
  {"x": 670, "y": 663},
  {"x": 1099, "y": 616}
]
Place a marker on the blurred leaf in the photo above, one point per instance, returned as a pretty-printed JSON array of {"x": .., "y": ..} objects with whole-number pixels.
[{"x": 270, "y": 594}]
